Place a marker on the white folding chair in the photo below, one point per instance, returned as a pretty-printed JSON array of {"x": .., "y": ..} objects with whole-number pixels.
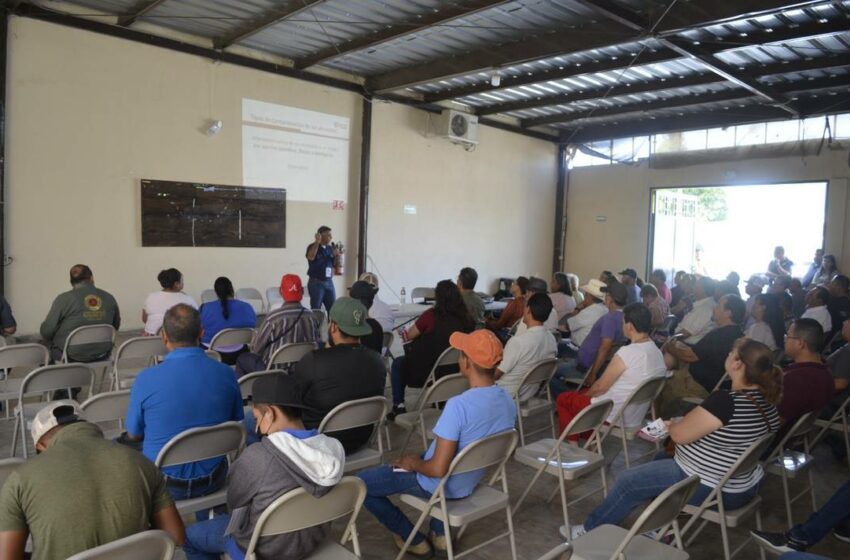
[
  {"x": 231, "y": 337},
  {"x": 148, "y": 545},
  {"x": 107, "y": 407},
  {"x": 563, "y": 551},
  {"x": 273, "y": 296},
  {"x": 134, "y": 355},
  {"x": 291, "y": 353},
  {"x": 370, "y": 411},
  {"x": 253, "y": 297},
  {"x": 208, "y": 296},
  {"x": 92, "y": 334},
  {"x": 40, "y": 382},
  {"x": 198, "y": 444},
  {"x": 643, "y": 395},
  {"x": 212, "y": 354},
  {"x": 712, "y": 508},
  {"x": 567, "y": 461},
  {"x": 491, "y": 451},
  {"x": 8, "y": 466},
  {"x": 19, "y": 355},
  {"x": 612, "y": 542},
  {"x": 427, "y": 414},
  {"x": 297, "y": 510},
  {"x": 421, "y": 293},
  {"x": 789, "y": 463},
  {"x": 837, "y": 422},
  {"x": 539, "y": 375},
  {"x": 447, "y": 358}
]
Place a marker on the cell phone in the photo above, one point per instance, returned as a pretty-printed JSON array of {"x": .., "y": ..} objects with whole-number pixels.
[{"x": 654, "y": 431}]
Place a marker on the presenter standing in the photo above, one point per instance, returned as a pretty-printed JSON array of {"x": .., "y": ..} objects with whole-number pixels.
[{"x": 320, "y": 261}]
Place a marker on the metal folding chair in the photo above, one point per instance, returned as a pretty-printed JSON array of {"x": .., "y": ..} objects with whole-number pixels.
[
  {"x": 246, "y": 382},
  {"x": 837, "y": 422},
  {"x": 134, "y": 355},
  {"x": 291, "y": 353},
  {"x": 8, "y": 466},
  {"x": 273, "y": 297},
  {"x": 107, "y": 407},
  {"x": 427, "y": 414},
  {"x": 253, "y": 297},
  {"x": 370, "y": 411},
  {"x": 19, "y": 355},
  {"x": 563, "y": 551},
  {"x": 212, "y": 354},
  {"x": 491, "y": 451},
  {"x": 208, "y": 296},
  {"x": 447, "y": 357},
  {"x": 421, "y": 293},
  {"x": 92, "y": 334},
  {"x": 644, "y": 394},
  {"x": 321, "y": 319},
  {"x": 148, "y": 545},
  {"x": 539, "y": 375},
  {"x": 231, "y": 337}
]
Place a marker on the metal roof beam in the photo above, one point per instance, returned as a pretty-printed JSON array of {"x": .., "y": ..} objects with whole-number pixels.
[
  {"x": 139, "y": 11},
  {"x": 453, "y": 11},
  {"x": 293, "y": 8}
]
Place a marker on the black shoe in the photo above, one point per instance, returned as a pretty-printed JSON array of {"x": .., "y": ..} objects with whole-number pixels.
[
  {"x": 778, "y": 542},
  {"x": 397, "y": 409},
  {"x": 841, "y": 535}
]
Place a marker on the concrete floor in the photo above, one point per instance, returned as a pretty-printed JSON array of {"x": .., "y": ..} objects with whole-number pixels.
[{"x": 537, "y": 523}]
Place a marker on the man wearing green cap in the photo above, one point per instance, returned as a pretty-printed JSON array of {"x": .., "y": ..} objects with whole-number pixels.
[{"x": 343, "y": 371}]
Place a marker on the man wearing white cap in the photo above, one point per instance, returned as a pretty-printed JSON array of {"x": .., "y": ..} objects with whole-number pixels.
[
  {"x": 81, "y": 491},
  {"x": 581, "y": 323}
]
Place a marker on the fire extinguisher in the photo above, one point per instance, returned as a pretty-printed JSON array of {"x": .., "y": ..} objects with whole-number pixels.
[{"x": 339, "y": 259}]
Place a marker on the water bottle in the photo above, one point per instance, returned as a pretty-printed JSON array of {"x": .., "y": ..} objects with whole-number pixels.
[{"x": 403, "y": 296}]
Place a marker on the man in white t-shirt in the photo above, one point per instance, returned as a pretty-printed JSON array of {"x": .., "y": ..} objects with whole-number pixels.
[
  {"x": 697, "y": 323},
  {"x": 380, "y": 310},
  {"x": 539, "y": 286},
  {"x": 581, "y": 323},
  {"x": 816, "y": 307},
  {"x": 527, "y": 349}
]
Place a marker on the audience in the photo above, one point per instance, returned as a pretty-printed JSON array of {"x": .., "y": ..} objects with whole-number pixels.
[
  {"x": 807, "y": 384},
  {"x": 226, "y": 313},
  {"x": 528, "y": 348},
  {"x": 709, "y": 440},
  {"x": 677, "y": 292},
  {"x": 629, "y": 279},
  {"x": 538, "y": 286},
  {"x": 81, "y": 491},
  {"x": 466, "y": 280},
  {"x": 365, "y": 294},
  {"x": 768, "y": 323},
  {"x": 157, "y": 303},
  {"x": 827, "y": 271},
  {"x": 482, "y": 410},
  {"x": 290, "y": 456},
  {"x": 816, "y": 302},
  {"x": 781, "y": 285},
  {"x": 657, "y": 305},
  {"x": 697, "y": 322},
  {"x": 839, "y": 302},
  {"x": 780, "y": 265},
  {"x": 379, "y": 311},
  {"x": 187, "y": 390},
  {"x": 562, "y": 296},
  {"x": 429, "y": 338},
  {"x": 8, "y": 326},
  {"x": 320, "y": 270},
  {"x": 515, "y": 309},
  {"x": 82, "y": 305},
  {"x": 343, "y": 371},
  {"x": 813, "y": 268},
  {"x": 658, "y": 278},
  {"x": 631, "y": 365},
  {"x": 734, "y": 280}
]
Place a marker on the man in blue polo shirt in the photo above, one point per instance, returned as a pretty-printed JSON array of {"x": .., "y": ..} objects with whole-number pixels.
[
  {"x": 187, "y": 390},
  {"x": 320, "y": 269}
]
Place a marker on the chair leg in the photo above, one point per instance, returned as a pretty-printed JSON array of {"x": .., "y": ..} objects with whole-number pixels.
[
  {"x": 724, "y": 534},
  {"x": 787, "y": 495},
  {"x": 563, "y": 491},
  {"x": 23, "y": 425},
  {"x": 625, "y": 445},
  {"x": 758, "y": 528},
  {"x": 812, "y": 489},
  {"x": 413, "y": 533},
  {"x": 511, "y": 536},
  {"x": 15, "y": 436},
  {"x": 424, "y": 436},
  {"x": 528, "y": 489},
  {"x": 450, "y": 552},
  {"x": 407, "y": 439},
  {"x": 521, "y": 431}
]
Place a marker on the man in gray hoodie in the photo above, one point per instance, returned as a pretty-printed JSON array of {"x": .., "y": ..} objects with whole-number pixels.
[{"x": 288, "y": 457}]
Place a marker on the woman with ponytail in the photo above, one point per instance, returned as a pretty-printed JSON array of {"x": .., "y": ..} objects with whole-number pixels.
[
  {"x": 226, "y": 313},
  {"x": 709, "y": 440}
]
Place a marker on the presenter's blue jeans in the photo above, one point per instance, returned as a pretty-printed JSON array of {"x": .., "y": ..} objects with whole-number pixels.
[
  {"x": 835, "y": 514},
  {"x": 321, "y": 292},
  {"x": 206, "y": 540}
]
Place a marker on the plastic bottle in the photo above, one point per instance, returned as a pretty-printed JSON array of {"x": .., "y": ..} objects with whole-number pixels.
[{"x": 403, "y": 296}]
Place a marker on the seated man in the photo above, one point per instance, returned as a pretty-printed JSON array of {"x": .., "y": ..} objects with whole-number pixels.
[
  {"x": 698, "y": 368},
  {"x": 289, "y": 457},
  {"x": 483, "y": 410},
  {"x": 539, "y": 286},
  {"x": 628, "y": 278},
  {"x": 817, "y": 300},
  {"x": 466, "y": 281},
  {"x": 288, "y": 324},
  {"x": 527, "y": 349},
  {"x": 753, "y": 288},
  {"x": 187, "y": 390},
  {"x": 83, "y": 305},
  {"x": 379, "y": 311},
  {"x": 81, "y": 491},
  {"x": 656, "y": 305},
  {"x": 807, "y": 384},
  {"x": 597, "y": 347},
  {"x": 8, "y": 325},
  {"x": 343, "y": 371},
  {"x": 697, "y": 322},
  {"x": 514, "y": 311},
  {"x": 365, "y": 294},
  {"x": 593, "y": 309}
]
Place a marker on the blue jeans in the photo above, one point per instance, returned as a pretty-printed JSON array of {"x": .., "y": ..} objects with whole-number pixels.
[
  {"x": 197, "y": 487},
  {"x": 801, "y": 556},
  {"x": 834, "y": 514},
  {"x": 568, "y": 369},
  {"x": 640, "y": 484},
  {"x": 321, "y": 292},
  {"x": 396, "y": 382},
  {"x": 382, "y": 482},
  {"x": 206, "y": 540}
]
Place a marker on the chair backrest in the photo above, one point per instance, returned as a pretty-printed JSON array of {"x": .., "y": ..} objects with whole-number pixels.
[
  {"x": 484, "y": 453},
  {"x": 748, "y": 460},
  {"x": 721, "y": 381},
  {"x": 298, "y": 510},
  {"x": 801, "y": 428},
  {"x": 540, "y": 373},
  {"x": 213, "y": 354},
  {"x": 208, "y": 296},
  {"x": 20, "y": 355},
  {"x": 353, "y": 414},
  {"x": 90, "y": 334},
  {"x": 106, "y": 407},
  {"x": 646, "y": 392},
  {"x": 148, "y": 545},
  {"x": 447, "y": 357},
  {"x": 444, "y": 389},
  {"x": 253, "y": 297},
  {"x": 246, "y": 382},
  {"x": 563, "y": 551},
  {"x": 9, "y": 465},
  {"x": 197, "y": 444},
  {"x": 141, "y": 347},
  {"x": 59, "y": 376},
  {"x": 232, "y": 337},
  {"x": 319, "y": 316},
  {"x": 589, "y": 419},
  {"x": 668, "y": 324},
  {"x": 423, "y": 293},
  {"x": 273, "y": 295},
  {"x": 291, "y": 353}
]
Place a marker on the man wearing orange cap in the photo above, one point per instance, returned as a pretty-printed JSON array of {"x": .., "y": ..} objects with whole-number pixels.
[
  {"x": 482, "y": 410},
  {"x": 287, "y": 324}
]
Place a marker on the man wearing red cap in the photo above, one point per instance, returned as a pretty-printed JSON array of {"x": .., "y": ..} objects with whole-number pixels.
[{"x": 482, "y": 410}]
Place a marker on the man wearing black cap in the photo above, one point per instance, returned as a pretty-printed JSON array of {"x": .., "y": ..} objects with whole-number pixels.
[
  {"x": 365, "y": 294},
  {"x": 539, "y": 286},
  {"x": 629, "y": 279},
  {"x": 289, "y": 457}
]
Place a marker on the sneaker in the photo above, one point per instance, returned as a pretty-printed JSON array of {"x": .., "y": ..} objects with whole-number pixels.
[
  {"x": 421, "y": 550},
  {"x": 397, "y": 409},
  {"x": 840, "y": 535},
  {"x": 439, "y": 544},
  {"x": 576, "y": 531},
  {"x": 778, "y": 542}
]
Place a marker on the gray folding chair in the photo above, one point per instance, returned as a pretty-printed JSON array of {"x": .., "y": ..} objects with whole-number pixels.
[
  {"x": 370, "y": 411},
  {"x": 612, "y": 542},
  {"x": 421, "y": 293},
  {"x": 246, "y": 382},
  {"x": 254, "y": 298},
  {"x": 563, "y": 551},
  {"x": 273, "y": 296},
  {"x": 134, "y": 355},
  {"x": 212, "y": 354},
  {"x": 208, "y": 296},
  {"x": 712, "y": 508},
  {"x": 291, "y": 353},
  {"x": 447, "y": 357},
  {"x": 19, "y": 355},
  {"x": 297, "y": 510},
  {"x": 320, "y": 316},
  {"x": 8, "y": 466},
  {"x": 789, "y": 463},
  {"x": 198, "y": 444},
  {"x": 231, "y": 337},
  {"x": 644, "y": 394},
  {"x": 107, "y": 407},
  {"x": 567, "y": 461},
  {"x": 539, "y": 375},
  {"x": 837, "y": 422},
  {"x": 92, "y": 334},
  {"x": 491, "y": 451},
  {"x": 427, "y": 414},
  {"x": 698, "y": 400},
  {"x": 41, "y": 382},
  {"x": 148, "y": 545}
]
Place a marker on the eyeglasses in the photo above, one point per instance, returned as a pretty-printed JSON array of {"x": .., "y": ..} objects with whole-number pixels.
[{"x": 788, "y": 337}]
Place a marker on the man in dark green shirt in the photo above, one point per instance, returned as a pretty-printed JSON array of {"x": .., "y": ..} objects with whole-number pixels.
[
  {"x": 83, "y": 305},
  {"x": 466, "y": 281}
]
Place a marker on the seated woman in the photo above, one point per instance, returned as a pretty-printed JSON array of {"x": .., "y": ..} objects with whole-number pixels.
[
  {"x": 657, "y": 305},
  {"x": 827, "y": 271},
  {"x": 562, "y": 296},
  {"x": 709, "y": 440},
  {"x": 157, "y": 303},
  {"x": 768, "y": 322},
  {"x": 226, "y": 313},
  {"x": 429, "y": 337},
  {"x": 513, "y": 312},
  {"x": 631, "y": 365}
]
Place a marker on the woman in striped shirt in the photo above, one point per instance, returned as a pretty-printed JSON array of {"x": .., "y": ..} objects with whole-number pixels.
[{"x": 708, "y": 441}]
